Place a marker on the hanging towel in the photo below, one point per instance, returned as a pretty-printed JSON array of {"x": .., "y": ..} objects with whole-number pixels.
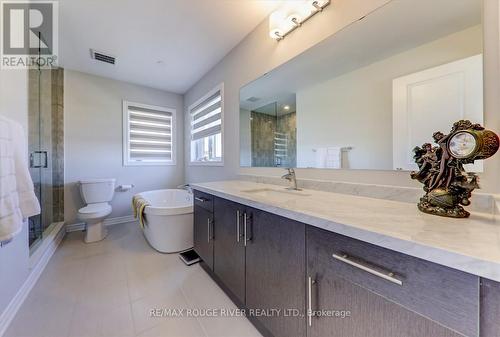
[
  {"x": 334, "y": 157},
  {"x": 138, "y": 205},
  {"x": 17, "y": 197},
  {"x": 328, "y": 157},
  {"x": 320, "y": 157}
]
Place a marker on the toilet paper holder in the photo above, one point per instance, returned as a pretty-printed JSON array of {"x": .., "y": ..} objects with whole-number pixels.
[{"x": 125, "y": 187}]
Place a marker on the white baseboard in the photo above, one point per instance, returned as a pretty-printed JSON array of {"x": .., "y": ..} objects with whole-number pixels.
[
  {"x": 78, "y": 227},
  {"x": 118, "y": 220},
  {"x": 10, "y": 312}
]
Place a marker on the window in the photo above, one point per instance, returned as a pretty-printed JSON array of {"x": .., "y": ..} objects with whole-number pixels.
[
  {"x": 148, "y": 135},
  {"x": 206, "y": 121}
]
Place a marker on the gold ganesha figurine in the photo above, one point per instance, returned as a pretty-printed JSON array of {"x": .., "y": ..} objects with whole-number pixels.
[{"x": 447, "y": 185}]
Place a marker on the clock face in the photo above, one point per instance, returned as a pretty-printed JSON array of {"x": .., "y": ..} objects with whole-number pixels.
[{"x": 462, "y": 144}]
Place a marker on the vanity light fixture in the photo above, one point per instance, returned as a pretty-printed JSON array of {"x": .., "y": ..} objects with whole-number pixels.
[{"x": 292, "y": 15}]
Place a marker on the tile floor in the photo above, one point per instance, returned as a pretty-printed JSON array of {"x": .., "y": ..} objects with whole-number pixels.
[{"x": 107, "y": 289}]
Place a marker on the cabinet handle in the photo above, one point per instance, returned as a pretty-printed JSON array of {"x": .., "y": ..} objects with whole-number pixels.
[
  {"x": 200, "y": 199},
  {"x": 245, "y": 229},
  {"x": 310, "y": 283},
  {"x": 386, "y": 275},
  {"x": 246, "y": 236},
  {"x": 208, "y": 230},
  {"x": 238, "y": 215}
]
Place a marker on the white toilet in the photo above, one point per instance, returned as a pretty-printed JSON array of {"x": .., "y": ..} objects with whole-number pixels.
[{"x": 97, "y": 193}]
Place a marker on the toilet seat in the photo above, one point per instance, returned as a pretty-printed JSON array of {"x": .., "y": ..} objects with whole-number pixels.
[{"x": 93, "y": 211}]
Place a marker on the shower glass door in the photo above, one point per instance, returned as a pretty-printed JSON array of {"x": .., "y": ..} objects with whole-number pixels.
[{"x": 45, "y": 144}]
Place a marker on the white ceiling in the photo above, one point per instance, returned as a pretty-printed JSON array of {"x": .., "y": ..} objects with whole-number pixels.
[{"x": 164, "y": 44}]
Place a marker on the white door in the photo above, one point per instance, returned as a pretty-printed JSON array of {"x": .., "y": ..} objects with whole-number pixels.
[{"x": 432, "y": 100}]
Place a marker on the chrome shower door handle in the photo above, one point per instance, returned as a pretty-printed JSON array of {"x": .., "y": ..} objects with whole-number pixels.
[{"x": 39, "y": 164}]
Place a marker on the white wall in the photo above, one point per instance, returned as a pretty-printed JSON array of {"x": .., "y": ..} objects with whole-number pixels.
[
  {"x": 258, "y": 54},
  {"x": 14, "y": 257},
  {"x": 93, "y": 139},
  {"x": 355, "y": 109},
  {"x": 254, "y": 56}
]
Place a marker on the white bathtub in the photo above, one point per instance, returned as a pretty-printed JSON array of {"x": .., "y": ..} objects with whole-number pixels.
[{"x": 169, "y": 220}]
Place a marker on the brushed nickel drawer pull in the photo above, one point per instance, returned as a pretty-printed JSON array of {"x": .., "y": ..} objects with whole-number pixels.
[
  {"x": 200, "y": 199},
  {"x": 386, "y": 275},
  {"x": 238, "y": 216},
  {"x": 245, "y": 229},
  {"x": 208, "y": 230},
  {"x": 310, "y": 283}
]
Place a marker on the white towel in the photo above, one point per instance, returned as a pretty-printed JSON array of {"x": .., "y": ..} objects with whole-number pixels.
[
  {"x": 328, "y": 157},
  {"x": 17, "y": 198},
  {"x": 334, "y": 157},
  {"x": 320, "y": 157}
]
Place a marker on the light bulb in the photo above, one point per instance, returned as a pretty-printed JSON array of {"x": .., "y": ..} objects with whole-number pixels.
[
  {"x": 276, "y": 21},
  {"x": 315, "y": 5}
]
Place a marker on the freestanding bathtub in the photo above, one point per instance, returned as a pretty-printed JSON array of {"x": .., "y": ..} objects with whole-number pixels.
[{"x": 169, "y": 220}]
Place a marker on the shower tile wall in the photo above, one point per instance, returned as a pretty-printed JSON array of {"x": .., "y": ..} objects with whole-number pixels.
[
  {"x": 287, "y": 124},
  {"x": 58, "y": 144},
  {"x": 263, "y": 132},
  {"x": 263, "y": 128}
]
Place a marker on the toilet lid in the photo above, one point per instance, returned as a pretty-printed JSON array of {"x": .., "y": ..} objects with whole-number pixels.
[{"x": 95, "y": 208}]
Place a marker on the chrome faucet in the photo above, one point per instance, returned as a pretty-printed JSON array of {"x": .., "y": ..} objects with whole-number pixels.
[
  {"x": 186, "y": 187},
  {"x": 290, "y": 176}
]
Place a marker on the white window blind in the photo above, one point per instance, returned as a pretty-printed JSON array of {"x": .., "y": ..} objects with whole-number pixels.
[
  {"x": 206, "y": 117},
  {"x": 149, "y": 134},
  {"x": 206, "y": 122}
]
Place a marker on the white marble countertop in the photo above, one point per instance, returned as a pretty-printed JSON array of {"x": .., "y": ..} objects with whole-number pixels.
[{"x": 471, "y": 245}]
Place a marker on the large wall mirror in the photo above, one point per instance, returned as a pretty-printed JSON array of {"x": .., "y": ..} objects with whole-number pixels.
[{"x": 367, "y": 95}]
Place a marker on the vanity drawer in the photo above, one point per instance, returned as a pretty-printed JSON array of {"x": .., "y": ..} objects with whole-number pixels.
[
  {"x": 204, "y": 200},
  {"x": 444, "y": 295}
]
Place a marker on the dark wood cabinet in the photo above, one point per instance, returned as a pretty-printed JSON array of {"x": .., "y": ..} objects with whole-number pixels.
[
  {"x": 296, "y": 280},
  {"x": 377, "y": 306},
  {"x": 203, "y": 230},
  {"x": 275, "y": 273},
  {"x": 490, "y": 308},
  {"x": 229, "y": 248}
]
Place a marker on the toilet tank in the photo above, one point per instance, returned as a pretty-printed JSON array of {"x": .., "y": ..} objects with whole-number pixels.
[{"x": 97, "y": 190}]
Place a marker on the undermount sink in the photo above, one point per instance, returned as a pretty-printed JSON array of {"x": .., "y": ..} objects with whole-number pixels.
[{"x": 276, "y": 193}]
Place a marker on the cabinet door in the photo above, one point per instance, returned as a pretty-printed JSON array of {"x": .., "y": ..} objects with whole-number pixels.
[
  {"x": 275, "y": 277},
  {"x": 203, "y": 235},
  {"x": 340, "y": 307},
  {"x": 490, "y": 308},
  {"x": 229, "y": 248}
]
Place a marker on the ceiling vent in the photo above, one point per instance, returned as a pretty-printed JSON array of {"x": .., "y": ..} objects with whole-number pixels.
[
  {"x": 100, "y": 56},
  {"x": 252, "y": 99}
]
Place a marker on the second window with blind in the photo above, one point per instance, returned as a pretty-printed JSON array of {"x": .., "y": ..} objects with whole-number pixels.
[
  {"x": 206, "y": 126},
  {"x": 148, "y": 135}
]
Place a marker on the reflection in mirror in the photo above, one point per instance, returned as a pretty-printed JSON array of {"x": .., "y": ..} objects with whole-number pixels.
[
  {"x": 270, "y": 133},
  {"x": 367, "y": 95}
]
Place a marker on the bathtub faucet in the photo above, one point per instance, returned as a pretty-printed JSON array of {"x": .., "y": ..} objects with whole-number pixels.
[{"x": 186, "y": 187}]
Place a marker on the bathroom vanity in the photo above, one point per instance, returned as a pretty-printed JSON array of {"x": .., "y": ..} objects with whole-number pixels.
[{"x": 313, "y": 263}]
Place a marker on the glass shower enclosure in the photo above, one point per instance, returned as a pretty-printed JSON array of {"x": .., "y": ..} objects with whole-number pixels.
[
  {"x": 273, "y": 136},
  {"x": 46, "y": 149}
]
